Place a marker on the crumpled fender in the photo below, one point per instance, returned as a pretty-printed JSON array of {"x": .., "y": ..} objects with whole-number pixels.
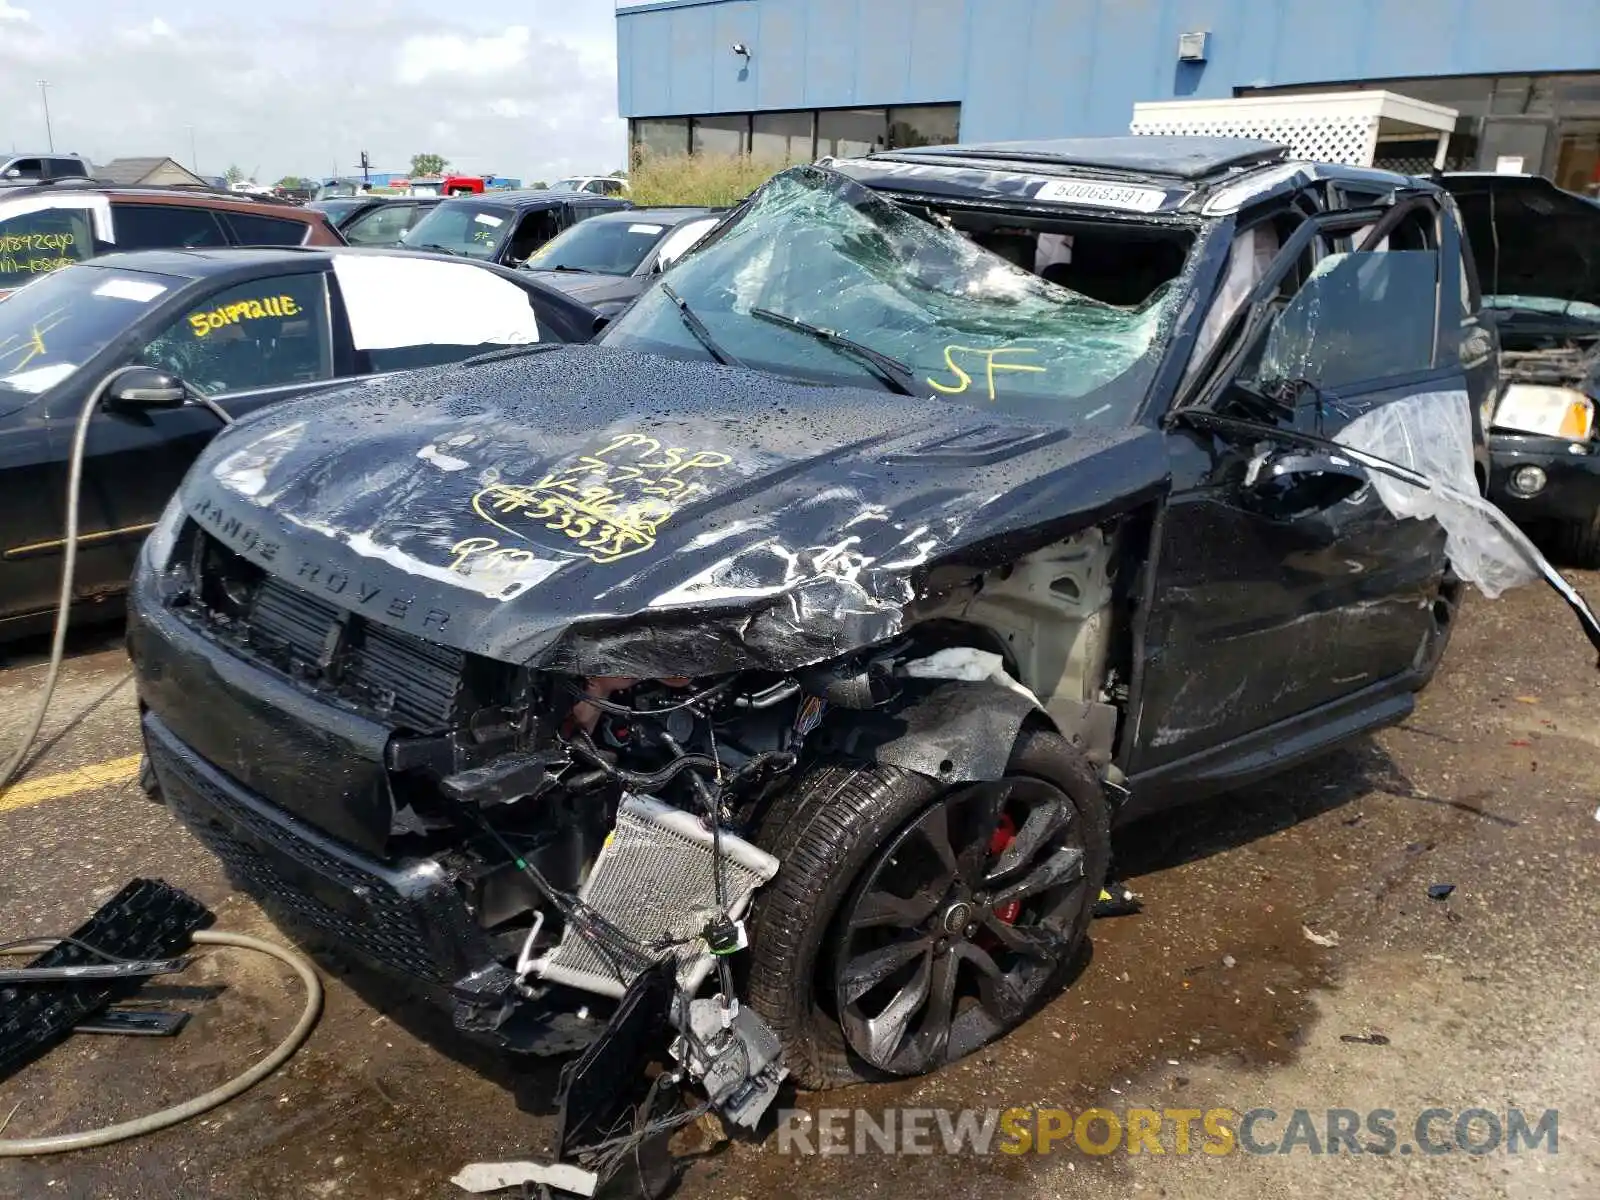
[{"x": 955, "y": 731}]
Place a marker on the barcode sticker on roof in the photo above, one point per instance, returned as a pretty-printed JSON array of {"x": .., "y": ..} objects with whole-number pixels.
[{"x": 1101, "y": 195}]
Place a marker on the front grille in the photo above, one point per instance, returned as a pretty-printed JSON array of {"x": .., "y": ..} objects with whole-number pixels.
[
  {"x": 391, "y": 675},
  {"x": 392, "y": 935}
]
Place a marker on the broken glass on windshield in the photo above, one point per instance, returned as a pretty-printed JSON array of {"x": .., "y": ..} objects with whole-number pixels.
[{"x": 816, "y": 252}]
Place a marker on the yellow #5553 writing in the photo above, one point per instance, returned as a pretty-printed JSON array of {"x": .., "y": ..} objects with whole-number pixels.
[{"x": 243, "y": 310}]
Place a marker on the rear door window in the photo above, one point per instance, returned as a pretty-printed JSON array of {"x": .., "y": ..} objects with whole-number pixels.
[
  {"x": 165, "y": 227},
  {"x": 270, "y": 332},
  {"x": 257, "y": 229},
  {"x": 36, "y": 243}
]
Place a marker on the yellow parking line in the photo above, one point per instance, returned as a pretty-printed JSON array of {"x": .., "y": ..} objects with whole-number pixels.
[{"x": 68, "y": 783}]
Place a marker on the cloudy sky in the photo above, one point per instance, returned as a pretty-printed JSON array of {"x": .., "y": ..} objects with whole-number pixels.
[{"x": 519, "y": 87}]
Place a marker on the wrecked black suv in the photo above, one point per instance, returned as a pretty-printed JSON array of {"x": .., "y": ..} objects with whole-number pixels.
[{"x": 796, "y": 645}]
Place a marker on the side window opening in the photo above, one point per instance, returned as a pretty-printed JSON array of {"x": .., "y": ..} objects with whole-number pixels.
[
  {"x": 25, "y": 168},
  {"x": 1356, "y": 316},
  {"x": 267, "y": 333},
  {"x": 533, "y": 231}
]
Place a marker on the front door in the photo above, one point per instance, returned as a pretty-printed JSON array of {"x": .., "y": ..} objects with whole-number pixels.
[
  {"x": 246, "y": 346},
  {"x": 1283, "y": 584}
]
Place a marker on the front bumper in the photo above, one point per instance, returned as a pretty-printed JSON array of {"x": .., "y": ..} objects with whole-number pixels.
[
  {"x": 1571, "y": 491},
  {"x": 276, "y": 786}
]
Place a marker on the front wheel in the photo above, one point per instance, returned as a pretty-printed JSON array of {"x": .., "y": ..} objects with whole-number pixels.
[{"x": 912, "y": 923}]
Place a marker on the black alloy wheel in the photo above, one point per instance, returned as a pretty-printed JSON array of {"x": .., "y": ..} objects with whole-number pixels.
[{"x": 961, "y": 925}]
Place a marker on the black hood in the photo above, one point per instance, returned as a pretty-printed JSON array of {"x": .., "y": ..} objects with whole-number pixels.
[
  {"x": 1529, "y": 237},
  {"x": 591, "y": 288},
  {"x": 601, "y": 511}
]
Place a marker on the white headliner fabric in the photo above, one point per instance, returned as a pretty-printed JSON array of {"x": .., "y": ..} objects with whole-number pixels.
[{"x": 395, "y": 301}]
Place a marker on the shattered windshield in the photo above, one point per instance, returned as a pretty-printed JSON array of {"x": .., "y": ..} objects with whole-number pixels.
[
  {"x": 822, "y": 279},
  {"x": 53, "y": 326}
]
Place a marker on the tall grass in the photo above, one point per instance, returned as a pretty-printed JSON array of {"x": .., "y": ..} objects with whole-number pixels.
[{"x": 712, "y": 179}]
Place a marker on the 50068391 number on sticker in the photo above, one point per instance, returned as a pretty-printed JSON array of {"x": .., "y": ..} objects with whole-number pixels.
[{"x": 611, "y": 503}]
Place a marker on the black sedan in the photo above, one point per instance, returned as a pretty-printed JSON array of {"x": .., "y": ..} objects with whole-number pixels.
[
  {"x": 369, "y": 220},
  {"x": 245, "y": 327},
  {"x": 609, "y": 259}
]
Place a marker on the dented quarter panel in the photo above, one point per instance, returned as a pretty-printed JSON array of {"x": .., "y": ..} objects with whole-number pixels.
[{"x": 532, "y": 510}]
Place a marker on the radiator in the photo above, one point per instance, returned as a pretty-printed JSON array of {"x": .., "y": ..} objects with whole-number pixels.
[{"x": 653, "y": 880}]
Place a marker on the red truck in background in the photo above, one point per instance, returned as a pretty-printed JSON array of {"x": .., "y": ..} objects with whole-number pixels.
[{"x": 450, "y": 185}]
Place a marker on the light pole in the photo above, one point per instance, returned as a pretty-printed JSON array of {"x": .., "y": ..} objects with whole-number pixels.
[
  {"x": 44, "y": 94},
  {"x": 194, "y": 159}
]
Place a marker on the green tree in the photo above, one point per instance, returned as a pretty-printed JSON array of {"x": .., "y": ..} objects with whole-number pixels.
[
  {"x": 234, "y": 173},
  {"x": 292, "y": 182},
  {"x": 619, "y": 174},
  {"x": 428, "y": 164},
  {"x": 538, "y": 185}
]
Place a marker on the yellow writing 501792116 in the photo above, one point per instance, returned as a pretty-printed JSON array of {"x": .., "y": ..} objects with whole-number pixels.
[
  {"x": 243, "y": 310},
  {"x": 991, "y": 363}
]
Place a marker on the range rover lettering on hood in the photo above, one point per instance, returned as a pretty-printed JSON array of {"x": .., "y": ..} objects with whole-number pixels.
[{"x": 585, "y": 486}]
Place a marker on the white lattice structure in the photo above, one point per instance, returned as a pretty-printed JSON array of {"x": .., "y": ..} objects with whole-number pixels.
[{"x": 1332, "y": 127}]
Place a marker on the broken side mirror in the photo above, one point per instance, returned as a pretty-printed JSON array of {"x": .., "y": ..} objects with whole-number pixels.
[
  {"x": 1285, "y": 485},
  {"x": 145, "y": 388}
]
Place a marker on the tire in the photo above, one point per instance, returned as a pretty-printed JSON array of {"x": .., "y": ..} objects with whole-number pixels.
[
  {"x": 843, "y": 833},
  {"x": 148, "y": 783},
  {"x": 1580, "y": 542}
]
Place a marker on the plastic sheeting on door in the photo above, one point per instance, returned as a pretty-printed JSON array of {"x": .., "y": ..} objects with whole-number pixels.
[
  {"x": 397, "y": 301},
  {"x": 1431, "y": 433}
]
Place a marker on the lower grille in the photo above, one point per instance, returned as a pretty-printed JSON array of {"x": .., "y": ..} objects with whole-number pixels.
[
  {"x": 388, "y": 931},
  {"x": 396, "y": 677}
]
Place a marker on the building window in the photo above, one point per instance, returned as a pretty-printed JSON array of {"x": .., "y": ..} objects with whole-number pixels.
[
  {"x": 784, "y": 137},
  {"x": 924, "y": 125},
  {"x": 664, "y": 135},
  {"x": 850, "y": 132},
  {"x": 801, "y": 136},
  {"x": 720, "y": 135}
]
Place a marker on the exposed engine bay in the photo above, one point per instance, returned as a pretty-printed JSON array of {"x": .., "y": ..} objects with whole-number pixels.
[{"x": 597, "y": 828}]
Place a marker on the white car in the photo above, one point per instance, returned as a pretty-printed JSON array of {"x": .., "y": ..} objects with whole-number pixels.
[{"x": 598, "y": 185}]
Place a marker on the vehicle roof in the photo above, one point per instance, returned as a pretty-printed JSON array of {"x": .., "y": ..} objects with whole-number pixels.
[
  {"x": 1201, "y": 176},
  {"x": 226, "y": 260},
  {"x": 158, "y": 194},
  {"x": 1186, "y": 158},
  {"x": 528, "y": 198},
  {"x": 670, "y": 215}
]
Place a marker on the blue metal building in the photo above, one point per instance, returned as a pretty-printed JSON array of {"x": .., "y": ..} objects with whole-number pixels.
[{"x": 802, "y": 78}]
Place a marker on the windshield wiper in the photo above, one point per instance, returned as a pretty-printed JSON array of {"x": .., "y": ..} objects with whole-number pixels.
[
  {"x": 441, "y": 249},
  {"x": 564, "y": 267},
  {"x": 892, "y": 371},
  {"x": 698, "y": 327}
]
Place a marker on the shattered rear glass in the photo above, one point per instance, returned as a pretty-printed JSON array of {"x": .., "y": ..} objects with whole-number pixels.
[{"x": 972, "y": 328}]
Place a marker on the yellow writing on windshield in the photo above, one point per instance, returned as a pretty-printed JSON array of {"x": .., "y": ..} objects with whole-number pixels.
[
  {"x": 39, "y": 252},
  {"x": 991, "y": 363},
  {"x": 18, "y": 350},
  {"x": 243, "y": 310},
  {"x": 611, "y": 503}
]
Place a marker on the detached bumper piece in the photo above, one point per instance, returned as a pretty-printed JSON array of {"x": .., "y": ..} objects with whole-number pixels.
[{"x": 146, "y": 922}]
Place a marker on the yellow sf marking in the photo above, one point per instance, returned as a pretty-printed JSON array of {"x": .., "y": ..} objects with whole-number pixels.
[
  {"x": 69, "y": 783},
  {"x": 991, "y": 365}
]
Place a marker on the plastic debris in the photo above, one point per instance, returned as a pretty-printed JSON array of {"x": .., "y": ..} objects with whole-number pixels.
[
  {"x": 1440, "y": 891},
  {"x": 1364, "y": 1039},
  {"x": 1117, "y": 900},
  {"x": 1321, "y": 939},
  {"x": 495, "y": 1177},
  {"x": 1229, "y": 961}
]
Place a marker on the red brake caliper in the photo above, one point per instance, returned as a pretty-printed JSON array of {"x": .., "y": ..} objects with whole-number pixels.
[{"x": 1003, "y": 835}]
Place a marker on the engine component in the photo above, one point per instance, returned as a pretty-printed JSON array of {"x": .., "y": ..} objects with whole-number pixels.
[
  {"x": 740, "y": 1065},
  {"x": 654, "y": 880}
]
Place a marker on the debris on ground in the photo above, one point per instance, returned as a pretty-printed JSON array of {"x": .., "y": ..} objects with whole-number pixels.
[
  {"x": 1117, "y": 900},
  {"x": 1440, "y": 891},
  {"x": 1229, "y": 961},
  {"x": 1364, "y": 1039},
  {"x": 1329, "y": 940},
  {"x": 494, "y": 1177}
]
